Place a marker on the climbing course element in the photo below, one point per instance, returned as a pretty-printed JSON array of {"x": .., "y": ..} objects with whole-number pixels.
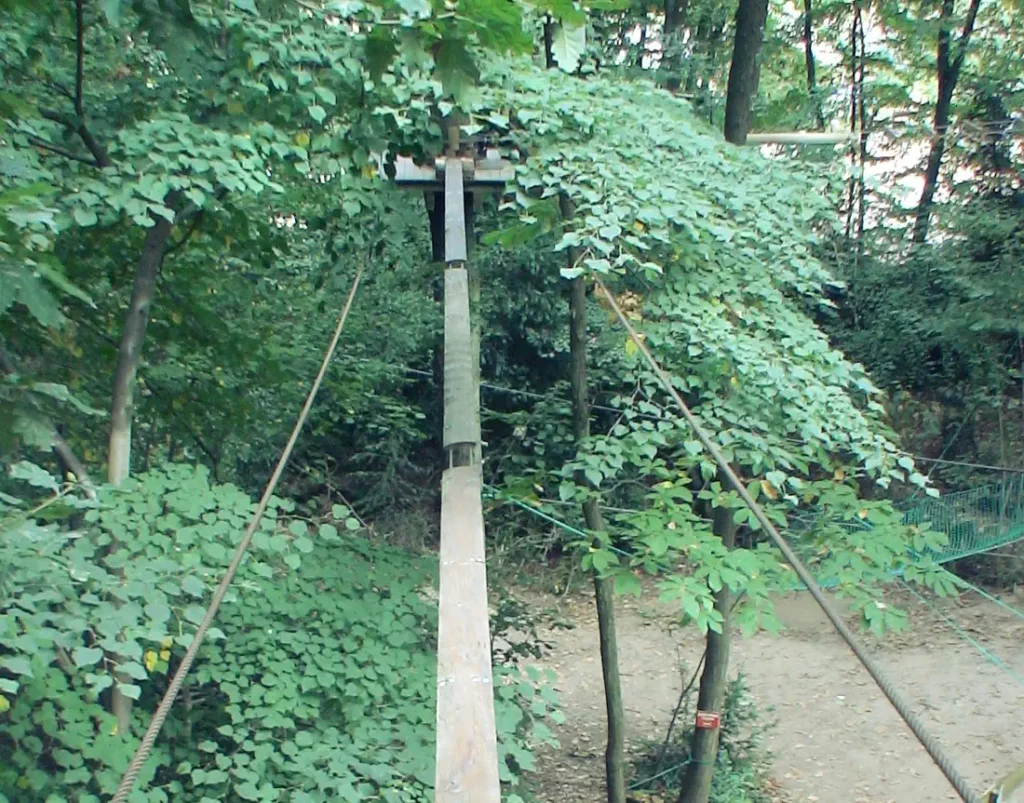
[
  {"x": 975, "y": 520},
  {"x": 142, "y": 753},
  {"x": 467, "y": 749},
  {"x": 943, "y": 761},
  {"x": 467, "y": 752}
]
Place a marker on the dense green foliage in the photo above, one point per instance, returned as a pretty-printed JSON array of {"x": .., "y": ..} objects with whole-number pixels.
[
  {"x": 228, "y": 152},
  {"x": 319, "y": 679}
]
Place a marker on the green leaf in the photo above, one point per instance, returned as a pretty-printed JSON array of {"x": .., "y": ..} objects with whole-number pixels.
[
  {"x": 130, "y": 690},
  {"x": 112, "y": 11},
  {"x": 33, "y": 475},
  {"x": 86, "y": 217},
  {"x": 157, "y": 611},
  {"x": 195, "y": 614},
  {"x": 18, "y": 664},
  {"x": 245, "y": 5},
  {"x": 193, "y": 585},
  {"x": 133, "y": 670},
  {"x": 86, "y": 656},
  {"x": 328, "y": 532},
  {"x": 567, "y": 46},
  {"x": 628, "y": 583},
  {"x": 318, "y": 113},
  {"x": 326, "y": 95}
]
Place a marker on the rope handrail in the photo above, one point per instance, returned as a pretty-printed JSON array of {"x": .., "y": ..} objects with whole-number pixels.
[{"x": 163, "y": 709}]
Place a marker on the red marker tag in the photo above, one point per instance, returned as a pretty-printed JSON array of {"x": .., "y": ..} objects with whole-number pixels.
[{"x": 708, "y": 720}]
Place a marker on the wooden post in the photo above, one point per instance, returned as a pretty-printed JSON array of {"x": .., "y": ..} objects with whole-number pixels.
[{"x": 467, "y": 750}]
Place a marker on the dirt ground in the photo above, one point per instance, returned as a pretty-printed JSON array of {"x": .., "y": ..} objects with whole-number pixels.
[{"x": 836, "y": 738}]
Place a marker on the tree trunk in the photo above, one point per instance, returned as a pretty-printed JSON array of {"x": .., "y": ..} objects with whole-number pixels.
[
  {"x": 549, "y": 35},
  {"x": 862, "y": 139},
  {"x": 850, "y": 190},
  {"x": 121, "y": 405},
  {"x": 614, "y": 758},
  {"x": 675, "y": 15},
  {"x": 812, "y": 84},
  {"x": 129, "y": 353},
  {"x": 711, "y": 697},
  {"x": 947, "y": 68},
  {"x": 743, "y": 72},
  {"x": 675, "y": 19}
]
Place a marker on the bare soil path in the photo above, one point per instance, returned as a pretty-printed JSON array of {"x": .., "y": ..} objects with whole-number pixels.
[{"x": 836, "y": 738}]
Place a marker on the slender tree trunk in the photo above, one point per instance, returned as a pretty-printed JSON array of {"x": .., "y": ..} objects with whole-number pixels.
[
  {"x": 744, "y": 74},
  {"x": 549, "y": 36},
  {"x": 863, "y": 138},
  {"x": 129, "y": 353},
  {"x": 603, "y": 587},
  {"x": 121, "y": 406},
  {"x": 812, "y": 84},
  {"x": 948, "y": 65},
  {"x": 931, "y": 170},
  {"x": 675, "y": 20},
  {"x": 711, "y": 697},
  {"x": 675, "y": 15},
  {"x": 614, "y": 757},
  {"x": 851, "y": 189}
]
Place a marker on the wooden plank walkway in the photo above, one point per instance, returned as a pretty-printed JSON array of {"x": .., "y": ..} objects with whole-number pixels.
[{"x": 465, "y": 691}]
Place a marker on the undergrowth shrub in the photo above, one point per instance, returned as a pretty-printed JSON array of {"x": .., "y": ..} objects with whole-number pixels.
[
  {"x": 318, "y": 683},
  {"x": 741, "y": 767}
]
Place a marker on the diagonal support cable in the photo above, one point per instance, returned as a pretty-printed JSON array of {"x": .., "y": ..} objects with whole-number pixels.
[
  {"x": 142, "y": 753},
  {"x": 938, "y": 755}
]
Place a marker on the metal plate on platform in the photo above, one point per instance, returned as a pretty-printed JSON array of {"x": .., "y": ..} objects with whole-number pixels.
[{"x": 491, "y": 173}]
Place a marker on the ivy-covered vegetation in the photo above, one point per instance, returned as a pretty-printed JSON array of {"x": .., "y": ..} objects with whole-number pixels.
[{"x": 186, "y": 191}]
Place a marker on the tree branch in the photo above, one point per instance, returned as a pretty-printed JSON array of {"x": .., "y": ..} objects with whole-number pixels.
[
  {"x": 187, "y": 235},
  {"x": 78, "y": 126},
  {"x": 193, "y": 208},
  {"x": 43, "y": 144},
  {"x": 59, "y": 445},
  {"x": 56, "y": 87},
  {"x": 965, "y": 37}
]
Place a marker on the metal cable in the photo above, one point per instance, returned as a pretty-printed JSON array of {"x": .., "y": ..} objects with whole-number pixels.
[
  {"x": 142, "y": 753},
  {"x": 527, "y": 394},
  {"x": 915, "y": 724},
  {"x": 984, "y": 651}
]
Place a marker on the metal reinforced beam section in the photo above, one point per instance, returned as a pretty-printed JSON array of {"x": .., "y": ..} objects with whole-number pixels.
[
  {"x": 461, "y": 401},
  {"x": 467, "y": 750},
  {"x": 490, "y": 174}
]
